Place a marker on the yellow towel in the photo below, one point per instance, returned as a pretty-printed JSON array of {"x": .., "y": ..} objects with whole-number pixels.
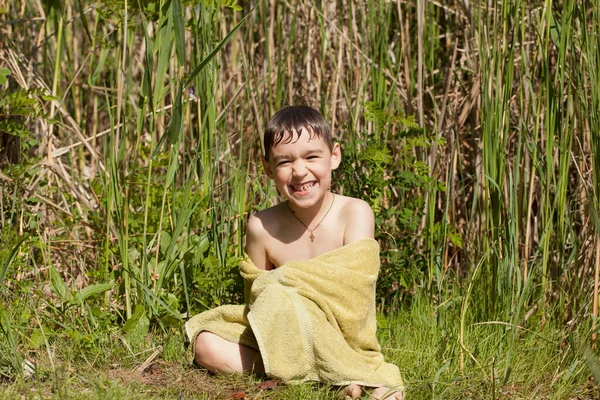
[{"x": 312, "y": 320}]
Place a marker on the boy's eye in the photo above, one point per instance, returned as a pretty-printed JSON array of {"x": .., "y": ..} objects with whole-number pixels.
[{"x": 282, "y": 163}]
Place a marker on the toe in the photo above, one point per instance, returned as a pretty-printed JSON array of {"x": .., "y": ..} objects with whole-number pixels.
[
  {"x": 385, "y": 393},
  {"x": 352, "y": 391}
]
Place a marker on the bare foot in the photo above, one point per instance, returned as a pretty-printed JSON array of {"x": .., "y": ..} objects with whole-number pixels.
[
  {"x": 352, "y": 391},
  {"x": 385, "y": 393}
]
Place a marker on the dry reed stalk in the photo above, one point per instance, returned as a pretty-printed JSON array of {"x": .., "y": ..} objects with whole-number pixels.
[
  {"x": 58, "y": 169},
  {"x": 420, "y": 84},
  {"x": 49, "y": 135},
  {"x": 391, "y": 77},
  {"x": 528, "y": 224},
  {"x": 17, "y": 59},
  {"x": 404, "y": 29},
  {"x": 309, "y": 44},
  {"x": 337, "y": 73},
  {"x": 290, "y": 72},
  {"x": 451, "y": 193},
  {"x": 595, "y": 295},
  {"x": 121, "y": 79},
  {"x": 361, "y": 96},
  {"x": 440, "y": 124}
]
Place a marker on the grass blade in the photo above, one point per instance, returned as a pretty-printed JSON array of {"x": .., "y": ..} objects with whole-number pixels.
[
  {"x": 217, "y": 48},
  {"x": 10, "y": 258}
]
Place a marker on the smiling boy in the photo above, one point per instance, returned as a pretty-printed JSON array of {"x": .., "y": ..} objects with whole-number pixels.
[{"x": 300, "y": 156}]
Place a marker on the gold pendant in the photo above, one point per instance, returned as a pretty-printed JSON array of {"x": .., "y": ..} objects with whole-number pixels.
[{"x": 312, "y": 237}]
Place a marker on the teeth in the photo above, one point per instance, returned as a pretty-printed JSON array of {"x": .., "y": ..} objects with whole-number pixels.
[{"x": 304, "y": 188}]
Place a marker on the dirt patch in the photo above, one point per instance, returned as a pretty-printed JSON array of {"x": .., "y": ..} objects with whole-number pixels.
[
  {"x": 164, "y": 375},
  {"x": 191, "y": 382}
]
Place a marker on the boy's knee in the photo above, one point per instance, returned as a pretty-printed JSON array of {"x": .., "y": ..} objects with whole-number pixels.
[{"x": 204, "y": 351}]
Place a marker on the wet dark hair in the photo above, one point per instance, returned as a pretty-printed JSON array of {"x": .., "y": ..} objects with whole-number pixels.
[{"x": 288, "y": 119}]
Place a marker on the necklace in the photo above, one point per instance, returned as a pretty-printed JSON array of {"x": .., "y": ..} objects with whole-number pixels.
[{"x": 312, "y": 236}]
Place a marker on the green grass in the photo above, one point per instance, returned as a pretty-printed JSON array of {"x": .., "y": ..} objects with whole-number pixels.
[{"x": 422, "y": 341}]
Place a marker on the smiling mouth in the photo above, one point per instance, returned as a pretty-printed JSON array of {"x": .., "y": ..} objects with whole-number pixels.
[{"x": 303, "y": 187}]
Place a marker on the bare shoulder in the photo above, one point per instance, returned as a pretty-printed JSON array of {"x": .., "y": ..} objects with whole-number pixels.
[
  {"x": 262, "y": 222},
  {"x": 356, "y": 205},
  {"x": 358, "y": 217},
  {"x": 255, "y": 226},
  {"x": 258, "y": 237}
]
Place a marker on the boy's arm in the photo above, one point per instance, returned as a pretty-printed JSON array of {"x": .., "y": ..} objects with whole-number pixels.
[
  {"x": 256, "y": 239},
  {"x": 361, "y": 222}
]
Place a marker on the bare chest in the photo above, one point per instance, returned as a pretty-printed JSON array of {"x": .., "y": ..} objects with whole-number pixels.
[{"x": 299, "y": 245}]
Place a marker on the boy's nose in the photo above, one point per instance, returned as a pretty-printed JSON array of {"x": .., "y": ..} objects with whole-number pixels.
[{"x": 299, "y": 168}]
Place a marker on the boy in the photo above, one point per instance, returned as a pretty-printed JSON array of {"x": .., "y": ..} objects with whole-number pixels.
[{"x": 307, "y": 233}]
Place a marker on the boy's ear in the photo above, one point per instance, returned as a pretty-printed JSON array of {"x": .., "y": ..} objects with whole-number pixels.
[
  {"x": 336, "y": 156},
  {"x": 266, "y": 167}
]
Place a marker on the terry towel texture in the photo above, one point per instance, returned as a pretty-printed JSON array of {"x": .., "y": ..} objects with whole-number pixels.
[{"x": 311, "y": 320}]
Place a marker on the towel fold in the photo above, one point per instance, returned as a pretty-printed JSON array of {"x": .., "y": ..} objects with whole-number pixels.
[{"x": 311, "y": 320}]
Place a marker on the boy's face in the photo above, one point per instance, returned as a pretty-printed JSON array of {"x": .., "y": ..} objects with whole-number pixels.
[{"x": 302, "y": 168}]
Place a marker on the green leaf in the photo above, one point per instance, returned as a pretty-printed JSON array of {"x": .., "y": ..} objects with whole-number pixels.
[
  {"x": 137, "y": 326},
  {"x": 11, "y": 256},
  {"x": 455, "y": 238},
  {"x": 37, "y": 338},
  {"x": 91, "y": 290},
  {"x": 177, "y": 15},
  {"x": 165, "y": 241},
  {"x": 232, "y": 4},
  {"x": 555, "y": 30},
  {"x": 133, "y": 256},
  {"x": 440, "y": 371},
  {"x": 172, "y": 301},
  {"x": 60, "y": 287},
  {"x": 48, "y": 97},
  {"x": 203, "y": 244},
  {"x": 176, "y": 119},
  {"x": 173, "y": 167},
  {"x": 3, "y": 74}
]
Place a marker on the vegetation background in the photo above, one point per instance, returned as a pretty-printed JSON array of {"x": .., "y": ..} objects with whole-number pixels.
[{"x": 129, "y": 148}]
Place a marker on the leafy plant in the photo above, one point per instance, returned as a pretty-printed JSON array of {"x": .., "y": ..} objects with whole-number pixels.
[
  {"x": 382, "y": 168},
  {"x": 18, "y": 109}
]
